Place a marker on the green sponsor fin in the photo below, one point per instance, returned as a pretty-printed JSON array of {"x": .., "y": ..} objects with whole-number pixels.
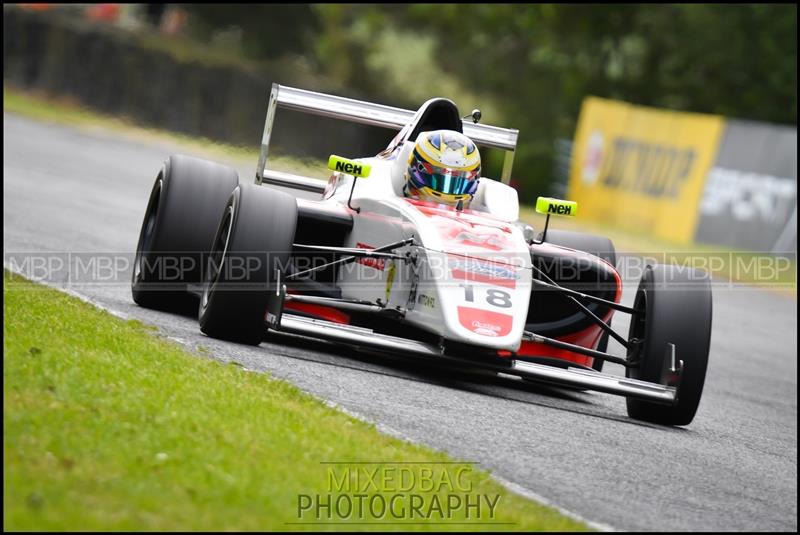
[
  {"x": 548, "y": 205},
  {"x": 351, "y": 167}
]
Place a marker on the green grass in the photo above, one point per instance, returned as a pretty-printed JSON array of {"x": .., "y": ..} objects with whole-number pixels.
[{"x": 106, "y": 426}]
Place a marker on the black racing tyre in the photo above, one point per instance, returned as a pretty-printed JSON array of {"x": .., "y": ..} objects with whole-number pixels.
[
  {"x": 254, "y": 238},
  {"x": 592, "y": 244},
  {"x": 179, "y": 224},
  {"x": 673, "y": 305}
]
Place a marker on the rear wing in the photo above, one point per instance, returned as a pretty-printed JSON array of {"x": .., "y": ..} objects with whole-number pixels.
[{"x": 359, "y": 111}]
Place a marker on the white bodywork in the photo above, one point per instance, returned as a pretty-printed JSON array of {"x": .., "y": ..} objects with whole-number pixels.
[{"x": 472, "y": 280}]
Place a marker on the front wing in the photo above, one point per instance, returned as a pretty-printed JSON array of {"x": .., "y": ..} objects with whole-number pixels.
[{"x": 570, "y": 377}]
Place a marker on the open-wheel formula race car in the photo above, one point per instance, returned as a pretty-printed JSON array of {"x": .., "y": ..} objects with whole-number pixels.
[{"x": 368, "y": 267}]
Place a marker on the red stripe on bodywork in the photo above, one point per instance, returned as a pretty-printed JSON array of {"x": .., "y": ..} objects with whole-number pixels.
[
  {"x": 320, "y": 311},
  {"x": 588, "y": 338},
  {"x": 374, "y": 263}
]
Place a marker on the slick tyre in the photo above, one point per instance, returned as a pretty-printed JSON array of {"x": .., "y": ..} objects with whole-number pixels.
[
  {"x": 179, "y": 224},
  {"x": 253, "y": 240},
  {"x": 673, "y": 305}
]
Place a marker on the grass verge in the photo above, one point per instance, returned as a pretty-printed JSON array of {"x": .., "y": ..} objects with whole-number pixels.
[{"x": 106, "y": 427}]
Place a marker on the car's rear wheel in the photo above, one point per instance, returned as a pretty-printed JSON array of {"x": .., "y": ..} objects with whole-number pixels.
[
  {"x": 673, "y": 306},
  {"x": 253, "y": 240},
  {"x": 179, "y": 224}
]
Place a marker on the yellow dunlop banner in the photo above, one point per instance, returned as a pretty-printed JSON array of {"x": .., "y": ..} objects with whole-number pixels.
[{"x": 642, "y": 168}]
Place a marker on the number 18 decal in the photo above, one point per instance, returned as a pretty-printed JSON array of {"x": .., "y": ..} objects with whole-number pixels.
[{"x": 495, "y": 297}]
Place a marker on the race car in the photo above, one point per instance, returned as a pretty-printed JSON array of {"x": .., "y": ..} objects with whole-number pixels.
[{"x": 365, "y": 265}]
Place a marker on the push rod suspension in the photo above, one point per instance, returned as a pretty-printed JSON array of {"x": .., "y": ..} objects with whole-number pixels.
[
  {"x": 602, "y": 324},
  {"x": 587, "y": 297},
  {"x": 360, "y": 252},
  {"x": 351, "y": 257},
  {"x": 533, "y": 337}
]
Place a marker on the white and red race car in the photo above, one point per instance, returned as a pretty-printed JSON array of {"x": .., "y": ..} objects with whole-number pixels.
[{"x": 365, "y": 266}]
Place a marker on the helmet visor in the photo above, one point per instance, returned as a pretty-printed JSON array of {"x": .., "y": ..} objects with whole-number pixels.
[{"x": 447, "y": 181}]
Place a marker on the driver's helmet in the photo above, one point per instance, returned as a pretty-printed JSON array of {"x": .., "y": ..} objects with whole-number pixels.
[{"x": 444, "y": 167}]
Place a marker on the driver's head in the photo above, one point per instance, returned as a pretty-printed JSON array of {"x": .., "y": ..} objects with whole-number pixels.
[{"x": 444, "y": 167}]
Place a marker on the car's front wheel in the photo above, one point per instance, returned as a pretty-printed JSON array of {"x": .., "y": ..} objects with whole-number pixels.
[
  {"x": 252, "y": 243},
  {"x": 673, "y": 306}
]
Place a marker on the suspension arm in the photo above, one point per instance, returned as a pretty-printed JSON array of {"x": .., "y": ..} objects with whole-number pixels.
[
  {"x": 533, "y": 337},
  {"x": 602, "y": 324},
  {"x": 352, "y": 255},
  {"x": 587, "y": 297}
]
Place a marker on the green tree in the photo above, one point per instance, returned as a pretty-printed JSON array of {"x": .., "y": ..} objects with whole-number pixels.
[
  {"x": 539, "y": 61},
  {"x": 542, "y": 60},
  {"x": 268, "y": 30}
]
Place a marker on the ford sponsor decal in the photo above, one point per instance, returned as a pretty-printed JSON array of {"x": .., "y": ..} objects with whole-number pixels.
[{"x": 477, "y": 271}]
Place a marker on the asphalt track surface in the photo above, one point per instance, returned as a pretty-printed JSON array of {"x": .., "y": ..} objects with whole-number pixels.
[{"x": 734, "y": 468}]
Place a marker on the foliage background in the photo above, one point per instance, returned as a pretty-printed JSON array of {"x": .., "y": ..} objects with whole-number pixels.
[
  {"x": 527, "y": 66},
  {"x": 530, "y": 66}
]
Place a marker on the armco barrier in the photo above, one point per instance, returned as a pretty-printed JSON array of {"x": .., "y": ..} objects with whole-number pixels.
[{"x": 111, "y": 71}]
